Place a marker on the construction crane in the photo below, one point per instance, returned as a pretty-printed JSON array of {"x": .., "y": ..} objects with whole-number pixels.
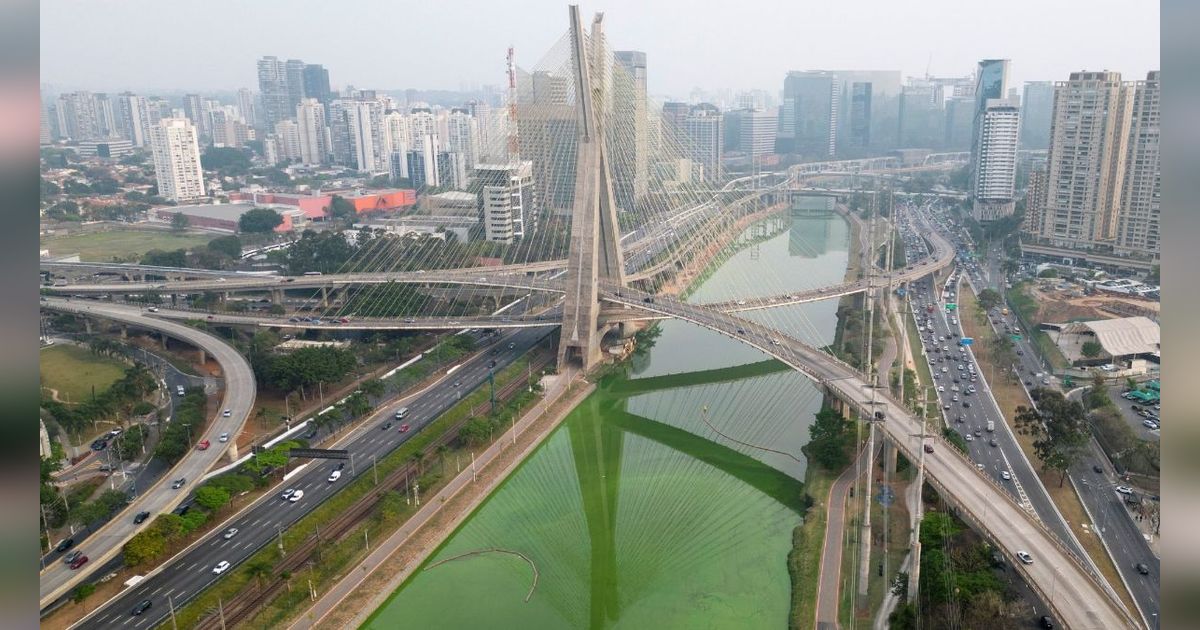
[{"x": 514, "y": 152}]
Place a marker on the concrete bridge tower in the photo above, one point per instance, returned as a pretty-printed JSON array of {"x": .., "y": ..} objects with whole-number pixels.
[{"x": 595, "y": 250}]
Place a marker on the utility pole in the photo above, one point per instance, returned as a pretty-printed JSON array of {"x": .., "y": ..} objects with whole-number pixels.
[
  {"x": 171, "y": 604},
  {"x": 914, "y": 576},
  {"x": 221, "y": 611},
  {"x": 872, "y": 382},
  {"x": 374, "y": 469}
]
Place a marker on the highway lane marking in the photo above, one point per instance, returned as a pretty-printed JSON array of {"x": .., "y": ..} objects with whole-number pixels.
[
  {"x": 192, "y": 565},
  {"x": 155, "y": 591}
]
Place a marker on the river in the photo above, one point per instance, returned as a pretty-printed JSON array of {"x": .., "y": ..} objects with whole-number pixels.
[{"x": 635, "y": 512}]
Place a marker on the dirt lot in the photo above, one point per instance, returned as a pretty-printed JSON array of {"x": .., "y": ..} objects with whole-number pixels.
[{"x": 1063, "y": 306}]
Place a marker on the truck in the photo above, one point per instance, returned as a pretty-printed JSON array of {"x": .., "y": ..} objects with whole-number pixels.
[
  {"x": 991, "y": 426},
  {"x": 1004, "y": 311}
]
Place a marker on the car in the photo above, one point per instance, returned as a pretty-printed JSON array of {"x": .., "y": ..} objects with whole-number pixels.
[
  {"x": 224, "y": 437},
  {"x": 334, "y": 476},
  {"x": 142, "y": 607},
  {"x": 941, "y": 388},
  {"x": 178, "y": 483},
  {"x": 741, "y": 331},
  {"x": 386, "y": 425},
  {"x": 221, "y": 567},
  {"x": 65, "y": 545},
  {"x": 69, "y": 558},
  {"x": 1142, "y": 568},
  {"x": 946, "y": 407},
  {"x": 1124, "y": 489},
  {"x": 153, "y": 309},
  {"x": 1150, "y": 424},
  {"x": 230, "y": 533},
  {"x": 226, "y": 413},
  {"x": 970, "y": 438},
  {"x": 945, "y": 369},
  {"x": 1028, "y": 384},
  {"x": 928, "y": 448},
  {"x": 1135, "y": 407},
  {"x": 954, "y": 398},
  {"x": 512, "y": 345},
  {"x": 78, "y": 562},
  {"x": 141, "y": 517},
  {"x": 1097, "y": 469},
  {"x": 992, "y": 443},
  {"x": 296, "y": 496},
  {"x": 1046, "y": 622},
  {"x": 404, "y": 428},
  {"x": 1005, "y": 475},
  {"x": 340, "y": 466},
  {"x": 1024, "y": 557},
  {"x": 220, "y": 279},
  {"x": 99, "y": 445},
  {"x": 287, "y": 494},
  {"x": 966, "y": 404},
  {"x": 203, "y": 445}
]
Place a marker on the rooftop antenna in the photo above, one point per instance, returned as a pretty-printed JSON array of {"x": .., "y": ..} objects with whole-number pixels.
[{"x": 514, "y": 153}]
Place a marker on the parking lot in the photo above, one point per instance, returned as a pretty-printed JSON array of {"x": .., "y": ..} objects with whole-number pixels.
[{"x": 1134, "y": 419}]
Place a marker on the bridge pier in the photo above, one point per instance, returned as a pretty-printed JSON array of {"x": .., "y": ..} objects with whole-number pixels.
[
  {"x": 277, "y": 296},
  {"x": 162, "y": 338},
  {"x": 231, "y": 453},
  {"x": 324, "y": 297},
  {"x": 203, "y": 358},
  {"x": 124, "y": 331},
  {"x": 87, "y": 325}
]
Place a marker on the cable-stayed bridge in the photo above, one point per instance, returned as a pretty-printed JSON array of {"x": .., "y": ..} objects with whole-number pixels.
[{"x": 591, "y": 157}]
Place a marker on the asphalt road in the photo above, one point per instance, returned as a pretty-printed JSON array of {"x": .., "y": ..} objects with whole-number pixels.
[
  {"x": 144, "y": 476},
  {"x": 1106, "y": 507},
  {"x": 105, "y": 544},
  {"x": 188, "y": 574}
]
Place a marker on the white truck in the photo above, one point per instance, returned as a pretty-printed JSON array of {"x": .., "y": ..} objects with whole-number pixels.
[{"x": 991, "y": 426}]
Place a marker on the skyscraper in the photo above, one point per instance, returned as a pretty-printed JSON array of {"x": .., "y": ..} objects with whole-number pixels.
[
  {"x": 991, "y": 83},
  {"x": 246, "y": 106},
  {"x": 363, "y": 121},
  {"x": 995, "y": 172},
  {"x": 131, "y": 115},
  {"x": 1089, "y": 132},
  {"x": 287, "y": 140},
  {"x": 921, "y": 117},
  {"x": 177, "y": 159},
  {"x": 705, "y": 131},
  {"x": 316, "y": 83},
  {"x": 423, "y": 162},
  {"x": 627, "y": 132},
  {"x": 1035, "y": 201},
  {"x": 506, "y": 199},
  {"x": 462, "y": 137},
  {"x": 294, "y": 78},
  {"x": 809, "y": 119},
  {"x": 193, "y": 108},
  {"x": 1138, "y": 219},
  {"x": 273, "y": 88},
  {"x": 751, "y": 131},
  {"x": 310, "y": 118},
  {"x": 1037, "y": 105},
  {"x": 77, "y": 116}
]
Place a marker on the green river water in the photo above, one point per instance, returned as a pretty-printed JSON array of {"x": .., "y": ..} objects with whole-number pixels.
[{"x": 635, "y": 512}]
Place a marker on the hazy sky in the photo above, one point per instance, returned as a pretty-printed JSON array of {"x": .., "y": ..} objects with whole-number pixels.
[{"x": 448, "y": 44}]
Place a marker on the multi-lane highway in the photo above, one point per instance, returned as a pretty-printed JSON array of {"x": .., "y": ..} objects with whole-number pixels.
[
  {"x": 183, "y": 577},
  {"x": 105, "y": 544},
  {"x": 1106, "y": 507}
]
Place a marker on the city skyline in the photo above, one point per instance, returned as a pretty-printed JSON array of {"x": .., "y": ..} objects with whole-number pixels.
[{"x": 946, "y": 38}]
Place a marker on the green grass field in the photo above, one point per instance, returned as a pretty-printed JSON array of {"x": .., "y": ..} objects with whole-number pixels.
[
  {"x": 102, "y": 246},
  {"x": 73, "y": 371}
]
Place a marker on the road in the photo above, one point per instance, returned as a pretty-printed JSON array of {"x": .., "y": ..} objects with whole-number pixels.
[
  {"x": 145, "y": 475},
  {"x": 183, "y": 577},
  {"x": 1120, "y": 535},
  {"x": 240, "y": 390},
  {"x": 829, "y": 582}
]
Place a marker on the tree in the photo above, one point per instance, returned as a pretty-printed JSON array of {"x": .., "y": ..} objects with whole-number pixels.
[
  {"x": 829, "y": 440},
  {"x": 258, "y": 570},
  {"x": 230, "y": 246},
  {"x": 160, "y": 258},
  {"x": 179, "y": 222},
  {"x": 259, "y": 221},
  {"x": 373, "y": 387},
  {"x": 1091, "y": 349},
  {"x": 227, "y": 160},
  {"x": 342, "y": 209},
  {"x": 1048, "y": 273},
  {"x": 1059, "y": 429},
  {"x": 144, "y": 547},
  {"x": 1130, "y": 383},
  {"x": 989, "y": 299},
  {"x": 82, "y": 592},
  {"x": 211, "y": 498}
]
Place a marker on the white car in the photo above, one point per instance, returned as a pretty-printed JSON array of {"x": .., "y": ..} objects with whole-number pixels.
[
  {"x": 335, "y": 475},
  {"x": 230, "y": 533},
  {"x": 1150, "y": 424},
  {"x": 296, "y": 496},
  {"x": 227, "y": 413},
  {"x": 1124, "y": 489},
  {"x": 941, "y": 388},
  {"x": 221, "y": 567},
  {"x": 1024, "y": 557},
  {"x": 224, "y": 437},
  {"x": 1004, "y": 475}
]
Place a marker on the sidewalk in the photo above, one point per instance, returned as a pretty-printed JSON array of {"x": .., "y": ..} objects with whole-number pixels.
[
  {"x": 830, "y": 580},
  {"x": 425, "y": 530}
]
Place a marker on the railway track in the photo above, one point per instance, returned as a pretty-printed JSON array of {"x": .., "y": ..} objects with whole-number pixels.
[{"x": 259, "y": 593}]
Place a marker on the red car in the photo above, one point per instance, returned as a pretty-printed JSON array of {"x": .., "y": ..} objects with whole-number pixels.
[
  {"x": 203, "y": 445},
  {"x": 78, "y": 562},
  {"x": 404, "y": 428}
]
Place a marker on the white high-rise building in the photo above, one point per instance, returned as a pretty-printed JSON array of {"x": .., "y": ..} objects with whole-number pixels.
[
  {"x": 996, "y": 161},
  {"x": 507, "y": 199},
  {"x": 364, "y": 130},
  {"x": 177, "y": 159},
  {"x": 462, "y": 137},
  {"x": 246, "y": 106},
  {"x": 1138, "y": 219},
  {"x": 421, "y": 123},
  {"x": 310, "y": 117},
  {"x": 287, "y": 140},
  {"x": 423, "y": 162},
  {"x": 131, "y": 118},
  {"x": 1089, "y": 132},
  {"x": 396, "y": 143}
]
